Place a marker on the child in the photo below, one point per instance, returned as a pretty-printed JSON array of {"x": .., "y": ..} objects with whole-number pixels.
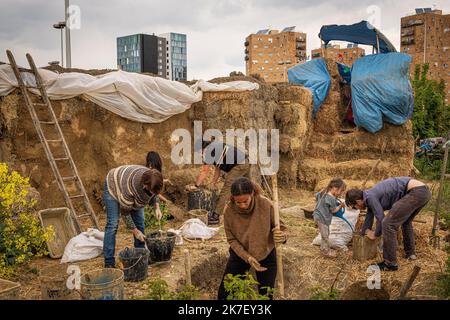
[{"x": 325, "y": 208}]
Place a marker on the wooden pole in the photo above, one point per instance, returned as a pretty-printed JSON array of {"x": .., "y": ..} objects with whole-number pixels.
[
  {"x": 276, "y": 211},
  {"x": 407, "y": 285},
  {"x": 187, "y": 267},
  {"x": 441, "y": 188},
  {"x": 370, "y": 173}
]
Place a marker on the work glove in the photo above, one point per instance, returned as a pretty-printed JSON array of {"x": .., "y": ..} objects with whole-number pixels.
[
  {"x": 255, "y": 264},
  {"x": 279, "y": 237},
  {"x": 158, "y": 213},
  {"x": 139, "y": 235},
  {"x": 191, "y": 187}
]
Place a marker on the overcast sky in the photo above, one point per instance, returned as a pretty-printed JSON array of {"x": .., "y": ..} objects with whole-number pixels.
[{"x": 216, "y": 29}]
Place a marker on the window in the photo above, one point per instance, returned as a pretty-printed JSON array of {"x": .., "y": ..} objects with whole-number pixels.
[
  {"x": 260, "y": 54},
  {"x": 254, "y": 46},
  {"x": 266, "y": 61},
  {"x": 270, "y": 40}
]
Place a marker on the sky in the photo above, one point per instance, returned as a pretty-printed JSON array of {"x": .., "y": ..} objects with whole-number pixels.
[{"x": 215, "y": 29}]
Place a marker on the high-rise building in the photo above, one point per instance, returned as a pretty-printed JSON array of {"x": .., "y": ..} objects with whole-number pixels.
[
  {"x": 425, "y": 35},
  {"x": 176, "y": 55},
  {"x": 335, "y": 52},
  {"x": 270, "y": 53},
  {"x": 142, "y": 53}
]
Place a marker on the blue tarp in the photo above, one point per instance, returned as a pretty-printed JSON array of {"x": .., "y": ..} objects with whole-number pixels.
[
  {"x": 362, "y": 32},
  {"x": 314, "y": 76},
  {"x": 381, "y": 90}
]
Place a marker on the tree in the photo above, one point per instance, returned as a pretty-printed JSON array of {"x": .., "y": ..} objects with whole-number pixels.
[{"x": 431, "y": 114}]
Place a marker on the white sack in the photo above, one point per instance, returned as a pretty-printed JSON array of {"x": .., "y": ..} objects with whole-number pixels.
[
  {"x": 87, "y": 245},
  {"x": 340, "y": 232},
  {"x": 197, "y": 229}
]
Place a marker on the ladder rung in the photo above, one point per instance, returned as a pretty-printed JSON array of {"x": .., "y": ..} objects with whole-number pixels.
[
  {"x": 58, "y": 140},
  {"x": 83, "y": 215},
  {"x": 69, "y": 178},
  {"x": 77, "y": 196},
  {"x": 47, "y": 122},
  {"x": 61, "y": 159},
  {"x": 39, "y": 104}
]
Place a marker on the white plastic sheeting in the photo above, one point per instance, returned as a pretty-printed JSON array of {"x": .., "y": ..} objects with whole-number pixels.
[{"x": 133, "y": 96}]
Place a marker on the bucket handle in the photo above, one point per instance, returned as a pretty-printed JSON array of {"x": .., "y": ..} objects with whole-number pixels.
[{"x": 123, "y": 269}]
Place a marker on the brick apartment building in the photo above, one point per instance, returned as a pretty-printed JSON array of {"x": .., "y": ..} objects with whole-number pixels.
[
  {"x": 270, "y": 53},
  {"x": 425, "y": 35},
  {"x": 349, "y": 54}
]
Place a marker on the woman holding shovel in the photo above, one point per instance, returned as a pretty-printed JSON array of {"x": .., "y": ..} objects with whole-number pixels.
[
  {"x": 128, "y": 189},
  {"x": 250, "y": 231}
]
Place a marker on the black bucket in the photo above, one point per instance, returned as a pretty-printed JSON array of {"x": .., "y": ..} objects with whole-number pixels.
[
  {"x": 160, "y": 246},
  {"x": 135, "y": 263},
  {"x": 202, "y": 199}
]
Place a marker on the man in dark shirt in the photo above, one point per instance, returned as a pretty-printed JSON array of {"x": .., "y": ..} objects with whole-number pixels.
[
  {"x": 224, "y": 158},
  {"x": 404, "y": 197}
]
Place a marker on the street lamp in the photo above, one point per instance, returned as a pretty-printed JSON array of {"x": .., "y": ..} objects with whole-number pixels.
[{"x": 61, "y": 25}]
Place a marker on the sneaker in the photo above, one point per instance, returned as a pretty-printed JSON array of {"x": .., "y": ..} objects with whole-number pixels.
[
  {"x": 386, "y": 267},
  {"x": 411, "y": 257},
  {"x": 213, "y": 218}
]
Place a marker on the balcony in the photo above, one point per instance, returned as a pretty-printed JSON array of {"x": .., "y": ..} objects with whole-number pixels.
[
  {"x": 408, "y": 41},
  {"x": 246, "y": 43},
  {"x": 246, "y": 58},
  {"x": 299, "y": 39},
  {"x": 301, "y": 46},
  {"x": 246, "y": 51},
  {"x": 411, "y": 23},
  {"x": 408, "y": 33}
]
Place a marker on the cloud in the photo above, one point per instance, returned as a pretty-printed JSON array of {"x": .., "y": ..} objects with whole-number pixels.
[{"x": 216, "y": 29}]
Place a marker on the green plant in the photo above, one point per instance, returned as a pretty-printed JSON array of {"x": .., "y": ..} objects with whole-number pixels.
[
  {"x": 431, "y": 116},
  {"x": 317, "y": 293},
  {"x": 242, "y": 287},
  {"x": 187, "y": 292},
  {"x": 158, "y": 289},
  {"x": 443, "y": 284},
  {"x": 150, "y": 220},
  {"x": 21, "y": 235}
]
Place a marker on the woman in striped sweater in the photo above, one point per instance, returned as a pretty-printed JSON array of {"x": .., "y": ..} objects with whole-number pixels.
[{"x": 128, "y": 189}]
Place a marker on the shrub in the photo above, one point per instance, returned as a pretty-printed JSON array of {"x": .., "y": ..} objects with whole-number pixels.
[
  {"x": 159, "y": 290},
  {"x": 21, "y": 235},
  {"x": 317, "y": 293},
  {"x": 242, "y": 287}
]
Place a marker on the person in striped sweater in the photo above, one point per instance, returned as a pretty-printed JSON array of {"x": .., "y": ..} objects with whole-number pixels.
[{"x": 128, "y": 189}]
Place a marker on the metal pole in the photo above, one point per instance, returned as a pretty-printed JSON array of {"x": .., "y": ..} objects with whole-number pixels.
[
  {"x": 68, "y": 50},
  {"x": 62, "y": 49},
  {"x": 378, "y": 44}
]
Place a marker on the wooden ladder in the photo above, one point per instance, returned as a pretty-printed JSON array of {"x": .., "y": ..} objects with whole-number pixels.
[
  {"x": 434, "y": 239},
  {"x": 73, "y": 177}
]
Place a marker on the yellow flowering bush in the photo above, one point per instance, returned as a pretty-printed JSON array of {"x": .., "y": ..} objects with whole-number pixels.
[{"x": 21, "y": 234}]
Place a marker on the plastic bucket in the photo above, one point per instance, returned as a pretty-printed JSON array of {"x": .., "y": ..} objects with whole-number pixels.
[
  {"x": 160, "y": 246},
  {"x": 102, "y": 284},
  {"x": 202, "y": 199},
  {"x": 201, "y": 214},
  {"x": 135, "y": 263}
]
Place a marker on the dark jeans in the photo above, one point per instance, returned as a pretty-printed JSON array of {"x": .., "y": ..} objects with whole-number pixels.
[
  {"x": 402, "y": 214},
  {"x": 236, "y": 265},
  {"x": 112, "y": 224}
]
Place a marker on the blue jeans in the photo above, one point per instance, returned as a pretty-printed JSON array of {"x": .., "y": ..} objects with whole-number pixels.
[{"x": 112, "y": 224}]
